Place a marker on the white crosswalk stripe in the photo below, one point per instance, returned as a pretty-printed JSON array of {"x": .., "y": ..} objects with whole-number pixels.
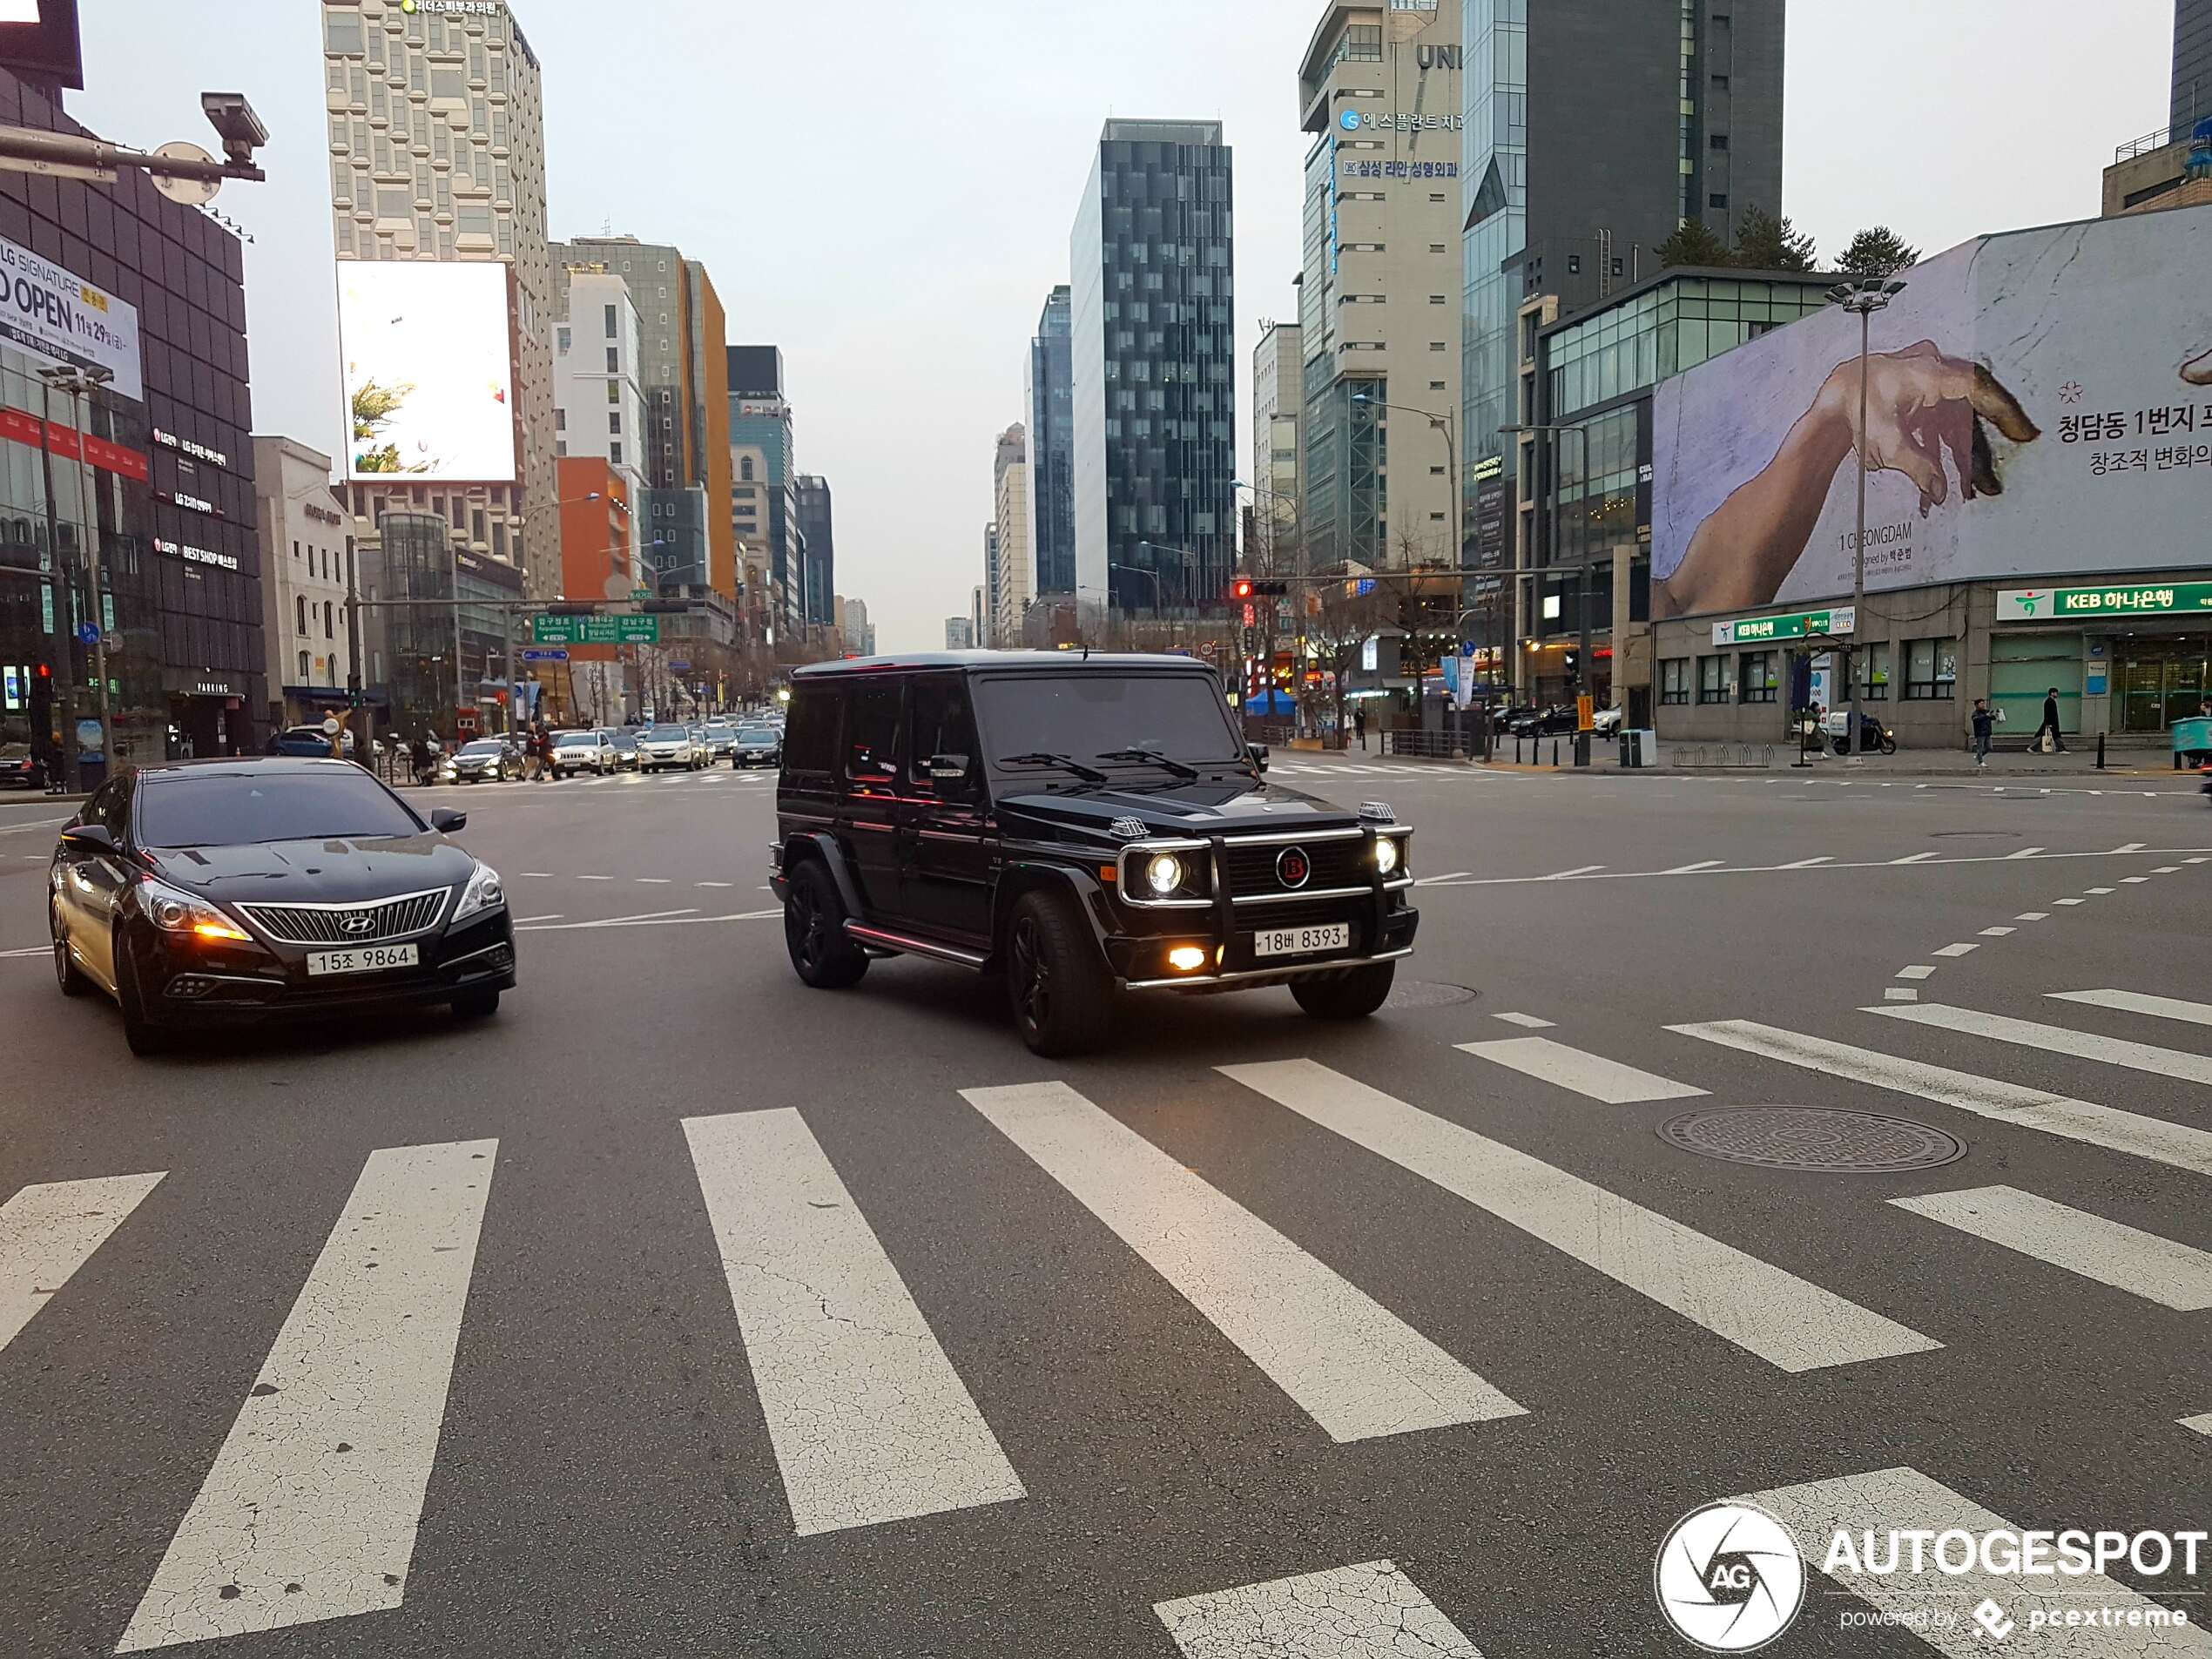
[
  {"x": 2127, "y": 1258},
  {"x": 2163, "y": 1008},
  {"x": 1370, "y": 1611},
  {"x": 1586, "y": 1074},
  {"x": 1789, "y": 1322},
  {"x": 1355, "y": 1367},
  {"x": 1906, "y": 1500},
  {"x": 2177, "y": 1144},
  {"x": 48, "y": 1232},
  {"x": 868, "y": 1419},
  {"x": 2052, "y": 1039},
  {"x": 311, "y": 1509}
]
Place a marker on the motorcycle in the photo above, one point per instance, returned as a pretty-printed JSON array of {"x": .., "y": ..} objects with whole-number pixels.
[{"x": 1872, "y": 735}]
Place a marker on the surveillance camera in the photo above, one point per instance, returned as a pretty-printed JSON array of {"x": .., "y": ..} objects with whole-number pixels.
[{"x": 233, "y": 119}]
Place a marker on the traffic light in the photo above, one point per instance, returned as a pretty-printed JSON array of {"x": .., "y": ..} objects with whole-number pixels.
[
  {"x": 1573, "y": 662},
  {"x": 1241, "y": 589},
  {"x": 1269, "y": 590},
  {"x": 573, "y": 608}
]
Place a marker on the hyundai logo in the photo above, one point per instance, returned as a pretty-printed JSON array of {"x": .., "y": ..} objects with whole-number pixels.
[
  {"x": 354, "y": 927},
  {"x": 1292, "y": 867}
]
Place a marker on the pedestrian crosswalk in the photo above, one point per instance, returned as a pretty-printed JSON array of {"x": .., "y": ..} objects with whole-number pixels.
[{"x": 313, "y": 1506}]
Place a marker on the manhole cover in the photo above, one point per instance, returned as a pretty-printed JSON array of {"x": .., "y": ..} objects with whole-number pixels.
[
  {"x": 1811, "y": 1137},
  {"x": 1426, "y": 994}
]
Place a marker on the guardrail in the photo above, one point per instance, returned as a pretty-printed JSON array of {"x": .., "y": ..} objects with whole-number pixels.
[{"x": 1422, "y": 746}]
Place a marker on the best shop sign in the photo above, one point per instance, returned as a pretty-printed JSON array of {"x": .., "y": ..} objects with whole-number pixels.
[{"x": 55, "y": 315}]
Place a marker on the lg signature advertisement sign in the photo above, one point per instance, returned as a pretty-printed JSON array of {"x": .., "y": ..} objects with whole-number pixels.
[
  {"x": 2027, "y": 394},
  {"x": 427, "y": 379},
  {"x": 57, "y": 316}
]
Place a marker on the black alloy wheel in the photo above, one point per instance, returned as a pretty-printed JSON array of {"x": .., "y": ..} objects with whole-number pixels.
[
  {"x": 821, "y": 955},
  {"x": 1351, "y": 994},
  {"x": 1056, "y": 983}
]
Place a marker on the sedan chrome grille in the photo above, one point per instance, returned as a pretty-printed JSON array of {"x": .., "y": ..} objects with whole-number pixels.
[{"x": 350, "y": 924}]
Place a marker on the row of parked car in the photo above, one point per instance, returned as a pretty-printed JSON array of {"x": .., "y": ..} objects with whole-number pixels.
[{"x": 604, "y": 751}]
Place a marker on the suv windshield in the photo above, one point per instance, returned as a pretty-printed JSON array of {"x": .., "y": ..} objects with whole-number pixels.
[
  {"x": 1089, "y": 715},
  {"x": 667, "y": 734},
  {"x": 575, "y": 737},
  {"x": 220, "y": 809}
]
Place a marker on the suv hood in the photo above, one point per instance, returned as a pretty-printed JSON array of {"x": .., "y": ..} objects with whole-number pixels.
[
  {"x": 314, "y": 872},
  {"x": 1230, "y": 807}
]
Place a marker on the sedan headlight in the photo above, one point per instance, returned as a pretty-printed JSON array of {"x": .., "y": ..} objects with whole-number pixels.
[
  {"x": 1387, "y": 853},
  {"x": 1164, "y": 873},
  {"x": 484, "y": 893},
  {"x": 180, "y": 913}
]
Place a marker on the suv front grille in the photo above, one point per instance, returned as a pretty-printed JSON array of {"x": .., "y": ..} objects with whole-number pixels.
[
  {"x": 1335, "y": 864},
  {"x": 303, "y": 924}
]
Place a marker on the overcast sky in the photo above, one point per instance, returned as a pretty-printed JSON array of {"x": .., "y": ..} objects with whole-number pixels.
[{"x": 885, "y": 188}]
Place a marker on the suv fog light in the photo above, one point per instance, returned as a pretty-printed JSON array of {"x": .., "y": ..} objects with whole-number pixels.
[{"x": 1186, "y": 959}]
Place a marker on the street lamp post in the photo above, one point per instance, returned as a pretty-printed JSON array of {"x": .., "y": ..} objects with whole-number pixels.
[
  {"x": 80, "y": 384},
  {"x": 1862, "y": 299}
]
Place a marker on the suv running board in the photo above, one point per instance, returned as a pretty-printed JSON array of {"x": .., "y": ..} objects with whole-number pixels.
[{"x": 904, "y": 945}]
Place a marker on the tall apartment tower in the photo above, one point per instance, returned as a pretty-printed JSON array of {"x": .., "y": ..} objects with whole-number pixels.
[
  {"x": 1593, "y": 130},
  {"x": 682, "y": 369},
  {"x": 1152, "y": 354},
  {"x": 437, "y": 152},
  {"x": 1049, "y": 397},
  {"x": 1279, "y": 365},
  {"x": 2192, "y": 64},
  {"x": 1379, "y": 310},
  {"x": 760, "y": 420},
  {"x": 1010, "y": 557}
]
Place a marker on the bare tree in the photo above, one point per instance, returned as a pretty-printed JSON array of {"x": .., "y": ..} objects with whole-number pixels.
[{"x": 1342, "y": 614}]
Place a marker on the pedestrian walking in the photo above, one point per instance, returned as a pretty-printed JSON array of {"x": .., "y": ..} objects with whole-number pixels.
[
  {"x": 2050, "y": 723},
  {"x": 1984, "y": 727},
  {"x": 1360, "y": 723},
  {"x": 420, "y": 755},
  {"x": 542, "y": 741}
]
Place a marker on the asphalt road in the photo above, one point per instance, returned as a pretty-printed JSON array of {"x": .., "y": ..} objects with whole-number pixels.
[{"x": 716, "y": 1319}]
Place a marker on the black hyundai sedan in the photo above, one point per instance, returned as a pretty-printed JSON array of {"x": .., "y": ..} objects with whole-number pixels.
[{"x": 239, "y": 890}]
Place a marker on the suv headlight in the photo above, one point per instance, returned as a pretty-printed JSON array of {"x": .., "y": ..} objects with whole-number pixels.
[
  {"x": 174, "y": 912},
  {"x": 1163, "y": 873},
  {"x": 484, "y": 893},
  {"x": 1387, "y": 854}
]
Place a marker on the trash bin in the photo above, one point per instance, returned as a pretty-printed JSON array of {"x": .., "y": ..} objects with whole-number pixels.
[{"x": 1639, "y": 747}]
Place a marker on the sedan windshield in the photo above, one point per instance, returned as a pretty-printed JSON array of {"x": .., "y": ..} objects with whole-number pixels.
[
  {"x": 758, "y": 737},
  {"x": 485, "y": 746},
  {"x": 227, "y": 809},
  {"x": 1086, "y": 716}
]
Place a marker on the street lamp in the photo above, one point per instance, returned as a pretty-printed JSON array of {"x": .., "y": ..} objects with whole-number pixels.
[
  {"x": 1862, "y": 299},
  {"x": 81, "y": 383},
  {"x": 1447, "y": 425}
]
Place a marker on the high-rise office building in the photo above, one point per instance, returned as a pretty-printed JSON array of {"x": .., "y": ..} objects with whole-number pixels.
[
  {"x": 1593, "y": 130},
  {"x": 1279, "y": 365},
  {"x": 1378, "y": 310},
  {"x": 1052, "y": 450},
  {"x": 2192, "y": 63},
  {"x": 1152, "y": 321},
  {"x": 817, "y": 527},
  {"x": 760, "y": 420},
  {"x": 1010, "y": 558},
  {"x": 960, "y": 634},
  {"x": 599, "y": 409},
  {"x": 683, "y": 374},
  {"x": 437, "y": 153}
]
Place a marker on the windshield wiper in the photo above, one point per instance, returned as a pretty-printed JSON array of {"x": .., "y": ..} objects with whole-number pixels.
[
  {"x": 1067, "y": 762},
  {"x": 1153, "y": 755}
]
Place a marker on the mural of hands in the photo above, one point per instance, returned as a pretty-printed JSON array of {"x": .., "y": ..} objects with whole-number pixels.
[{"x": 1922, "y": 404}]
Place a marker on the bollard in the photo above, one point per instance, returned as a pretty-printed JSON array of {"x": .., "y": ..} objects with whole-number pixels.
[
  {"x": 2101, "y": 752},
  {"x": 1554, "y": 751}
]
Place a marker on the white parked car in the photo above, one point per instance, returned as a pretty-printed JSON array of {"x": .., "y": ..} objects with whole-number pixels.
[
  {"x": 575, "y": 751},
  {"x": 662, "y": 748},
  {"x": 1607, "y": 722}
]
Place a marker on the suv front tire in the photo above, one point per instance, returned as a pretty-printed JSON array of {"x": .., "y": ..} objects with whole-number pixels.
[
  {"x": 1056, "y": 983},
  {"x": 814, "y": 931},
  {"x": 1353, "y": 995}
]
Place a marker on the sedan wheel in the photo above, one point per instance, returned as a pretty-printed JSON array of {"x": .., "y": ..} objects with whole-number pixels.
[{"x": 67, "y": 974}]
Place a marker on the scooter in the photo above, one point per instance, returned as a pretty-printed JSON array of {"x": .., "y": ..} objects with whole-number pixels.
[{"x": 1872, "y": 734}]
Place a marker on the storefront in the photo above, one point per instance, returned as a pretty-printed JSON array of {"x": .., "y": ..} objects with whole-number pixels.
[
  {"x": 207, "y": 715},
  {"x": 2137, "y": 657}
]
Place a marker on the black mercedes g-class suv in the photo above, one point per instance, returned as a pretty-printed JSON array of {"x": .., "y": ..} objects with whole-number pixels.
[{"x": 1076, "y": 825}]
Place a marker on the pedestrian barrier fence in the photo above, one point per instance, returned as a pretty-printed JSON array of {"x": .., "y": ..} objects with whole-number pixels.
[{"x": 1755, "y": 757}]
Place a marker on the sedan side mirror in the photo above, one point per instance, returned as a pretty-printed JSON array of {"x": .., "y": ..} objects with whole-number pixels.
[
  {"x": 446, "y": 821},
  {"x": 1259, "y": 752},
  {"x": 87, "y": 840},
  {"x": 948, "y": 769}
]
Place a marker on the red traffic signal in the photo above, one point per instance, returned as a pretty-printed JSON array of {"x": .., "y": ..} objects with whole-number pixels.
[{"x": 1241, "y": 589}]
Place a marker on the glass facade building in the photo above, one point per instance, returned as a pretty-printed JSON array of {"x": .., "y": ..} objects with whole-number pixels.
[
  {"x": 1052, "y": 449},
  {"x": 1153, "y": 346},
  {"x": 817, "y": 530}
]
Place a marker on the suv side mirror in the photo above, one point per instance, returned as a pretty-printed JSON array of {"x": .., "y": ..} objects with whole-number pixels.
[
  {"x": 87, "y": 840},
  {"x": 446, "y": 821},
  {"x": 948, "y": 769},
  {"x": 1259, "y": 752}
]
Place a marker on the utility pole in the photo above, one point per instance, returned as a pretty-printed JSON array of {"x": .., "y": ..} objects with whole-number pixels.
[
  {"x": 64, "y": 587},
  {"x": 80, "y": 384},
  {"x": 1862, "y": 299}
]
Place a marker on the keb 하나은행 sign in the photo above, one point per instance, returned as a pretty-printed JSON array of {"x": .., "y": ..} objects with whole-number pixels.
[
  {"x": 2058, "y": 605},
  {"x": 595, "y": 630},
  {"x": 1752, "y": 630}
]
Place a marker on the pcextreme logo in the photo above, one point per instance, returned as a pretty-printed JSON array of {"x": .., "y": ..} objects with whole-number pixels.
[{"x": 1728, "y": 1578}]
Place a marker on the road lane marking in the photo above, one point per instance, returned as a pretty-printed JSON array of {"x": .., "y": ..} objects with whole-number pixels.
[
  {"x": 594, "y": 878},
  {"x": 1914, "y": 973},
  {"x": 2129, "y": 847},
  {"x": 537, "y": 875},
  {"x": 2133, "y": 880},
  {"x": 868, "y": 1419},
  {"x": 2168, "y": 869},
  {"x": 652, "y": 880},
  {"x": 713, "y": 883},
  {"x": 1432, "y": 881},
  {"x": 44, "y": 823},
  {"x": 2065, "y": 902},
  {"x": 2032, "y": 915},
  {"x": 26, "y": 952},
  {"x": 1998, "y": 933},
  {"x": 1527, "y": 1020},
  {"x": 1352, "y": 1365},
  {"x": 2127, "y": 1258},
  {"x": 2153, "y": 1138},
  {"x": 1370, "y": 1611},
  {"x": 2201, "y": 1424},
  {"x": 1592, "y": 1075},
  {"x": 2099, "y": 891},
  {"x": 524, "y": 921},
  {"x": 1691, "y": 869},
  {"x": 1914, "y": 857},
  {"x": 1579, "y": 869},
  {"x": 2164, "y": 1008},
  {"x": 2024, "y": 852},
  {"x": 2057, "y": 1039},
  {"x": 321, "y": 1483},
  {"x": 1806, "y": 864},
  {"x": 50, "y": 1230},
  {"x": 1786, "y": 1321},
  {"x": 1900, "y": 993},
  {"x": 1905, "y": 1499},
  {"x": 1955, "y": 950}
]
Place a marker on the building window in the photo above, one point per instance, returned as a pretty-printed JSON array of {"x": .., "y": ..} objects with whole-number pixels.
[
  {"x": 302, "y": 679},
  {"x": 614, "y": 359},
  {"x": 614, "y": 453},
  {"x": 614, "y": 422},
  {"x": 560, "y": 419},
  {"x": 1931, "y": 670},
  {"x": 613, "y": 391},
  {"x": 341, "y": 32},
  {"x": 473, "y": 218},
  {"x": 1718, "y": 198},
  {"x": 1436, "y": 299},
  {"x": 299, "y": 614},
  {"x": 1620, "y": 267},
  {"x": 1876, "y": 689},
  {"x": 329, "y": 621},
  {"x": 448, "y": 83},
  {"x": 1757, "y": 679},
  {"x": 1718, "y": 141},
  {"x": 744, "y": 469},
  {"x": 1712, "y": 679},
  {"x": 1674, "y": 680},
  {"x": 1720, "y": 82}
]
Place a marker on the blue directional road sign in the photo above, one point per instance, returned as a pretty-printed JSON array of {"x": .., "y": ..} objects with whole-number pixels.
[
  {"x": 555, "y": 654},
  {"x": 88, "y": 633}
]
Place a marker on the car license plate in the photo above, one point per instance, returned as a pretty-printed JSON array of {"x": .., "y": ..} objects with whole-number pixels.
[
  {"x": 366, "y": 959},
  {"x": 1302, "y": 942}
]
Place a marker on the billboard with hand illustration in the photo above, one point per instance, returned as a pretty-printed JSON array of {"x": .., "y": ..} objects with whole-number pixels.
[{"x": 2038, "y": 403}]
